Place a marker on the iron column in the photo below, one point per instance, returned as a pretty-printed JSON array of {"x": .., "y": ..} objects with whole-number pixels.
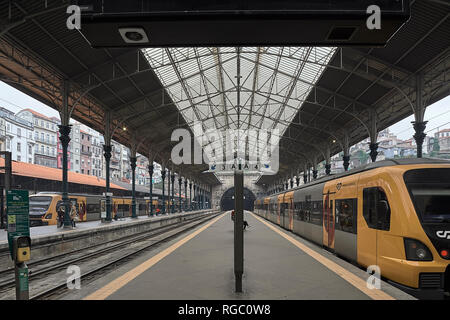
[
  {"x": 168, "y": 191},
  {"x": 419, "y": 136},
  {"x": 107, "y": 154},
  {"x": 373, "y": 151},
  {"x": 190, "y": 195},
  {"x": 179, "y": 193},
  {"x": 185, "y": 194},
  {"x": 64, "y": 131},
  {"x": 163, "y": 177},
  {"x": 201, "y": 198},
  {"x": 194, "y": 205},
  {"x": 328, "y": 169},
  {"x": 346, "y": 162},
  {"x": 150, "y": 171},
  {"x": 133, "y": 186},
  {"x": 238, "y": 228},
  {"x": 172, "y": 207}
]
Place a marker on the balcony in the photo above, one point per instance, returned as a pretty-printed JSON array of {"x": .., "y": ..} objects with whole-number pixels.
[
  {"x": 45, "y": 153},
  {"x": 86, "y": 153},
  {"x": 2, "y": 133},
  {"x": 46, "y": 141}
]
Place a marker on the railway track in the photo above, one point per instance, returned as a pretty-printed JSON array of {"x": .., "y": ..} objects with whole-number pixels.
[
  {"x": 47, "y": 277},
  {"x": 5, "y": 273}
]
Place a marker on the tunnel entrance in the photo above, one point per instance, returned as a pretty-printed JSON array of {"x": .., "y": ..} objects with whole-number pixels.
[{"x": 227, "y": 201}]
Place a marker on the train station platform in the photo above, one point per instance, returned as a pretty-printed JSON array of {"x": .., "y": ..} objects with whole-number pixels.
[
  {"x": 36, "y": 232},
  {"x": 277, "y": 265},
  {"x": 49, "y": 241}
]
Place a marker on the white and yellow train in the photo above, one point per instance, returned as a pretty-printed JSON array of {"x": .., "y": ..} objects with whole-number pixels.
[
  {"x": 43, "y": 207},
  {"x": 392, "y": 214}
]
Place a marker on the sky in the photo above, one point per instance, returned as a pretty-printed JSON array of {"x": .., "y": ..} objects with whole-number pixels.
[{"x": 437, "y": 114}]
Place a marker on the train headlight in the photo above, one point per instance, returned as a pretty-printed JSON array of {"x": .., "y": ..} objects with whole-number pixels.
[
  {"x": 421, "y": 253},
  {"x": 417, "y": 251}
]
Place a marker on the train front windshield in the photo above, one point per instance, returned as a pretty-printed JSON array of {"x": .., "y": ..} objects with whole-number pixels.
[
  {"x": 432, "y": 202},
  {"x": 39, "y": 205},
  {"x": 430, "y": 193}
]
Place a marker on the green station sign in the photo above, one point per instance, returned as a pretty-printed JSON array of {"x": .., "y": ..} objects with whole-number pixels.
[{"x": 17, "y": 204}]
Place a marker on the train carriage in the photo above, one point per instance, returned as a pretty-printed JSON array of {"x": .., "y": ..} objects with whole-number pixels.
[{"x": 391, "y": 214}]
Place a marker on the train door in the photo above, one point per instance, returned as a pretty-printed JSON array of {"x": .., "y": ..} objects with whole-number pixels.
[
  {"x": 291, "y": 214},
  {"x": 367, "y": 233},
  {"x": 328, "y": 220},
  {"x": 283, "y": 213},
  {"x": 278, "y": 211},
  {"x": 376, "y": 214},
  {"x": 74, "y": 202},
  {"x": 82, "y": 209}
]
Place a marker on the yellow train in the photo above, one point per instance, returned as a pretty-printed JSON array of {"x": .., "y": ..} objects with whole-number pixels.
[
  {"x": 394, "y": 214},
  {"x": 44, "y": 204}
]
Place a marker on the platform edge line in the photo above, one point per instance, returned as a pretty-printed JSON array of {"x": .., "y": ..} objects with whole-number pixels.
[
  {"x": 116, "y": 284},
  {"x": 354, "y": 280}
]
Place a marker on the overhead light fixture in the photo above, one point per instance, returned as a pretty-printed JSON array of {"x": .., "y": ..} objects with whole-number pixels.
[
  {"x": 124, "y": 128},
  {"x": 133, "y": 35},
  {"x": 334, "y": 141}
]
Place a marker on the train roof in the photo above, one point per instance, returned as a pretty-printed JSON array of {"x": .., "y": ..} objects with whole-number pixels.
[{"x": 369, "y": 166}]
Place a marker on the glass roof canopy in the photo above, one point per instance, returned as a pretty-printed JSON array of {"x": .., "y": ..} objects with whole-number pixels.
[{"x": 273, "y": 84}]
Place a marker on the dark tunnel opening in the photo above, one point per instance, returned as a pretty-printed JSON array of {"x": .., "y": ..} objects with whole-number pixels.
[{"x": 227, "y": 201}]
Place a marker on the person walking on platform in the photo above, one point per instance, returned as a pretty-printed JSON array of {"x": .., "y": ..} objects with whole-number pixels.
[{"x": 246, "y": 224}]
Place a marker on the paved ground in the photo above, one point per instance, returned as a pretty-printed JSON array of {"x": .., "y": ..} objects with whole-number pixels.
[{"x": 202, "y": 268}]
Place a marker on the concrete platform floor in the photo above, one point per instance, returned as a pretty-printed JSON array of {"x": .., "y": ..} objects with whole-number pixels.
[
  {"x": 200, "y": 266},
  {"x": 53, "y": 229}
]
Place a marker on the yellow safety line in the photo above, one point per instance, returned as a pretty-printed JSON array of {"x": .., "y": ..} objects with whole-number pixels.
[
  {"x": 118, "y": 283},
  {"x": 340, "y": 271}
]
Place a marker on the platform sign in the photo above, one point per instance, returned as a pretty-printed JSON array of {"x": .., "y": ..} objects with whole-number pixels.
[
  {"x": 17, "y": 210},
  {"x": 103, "y": 209},
  {"x": 247, "y": 167}
]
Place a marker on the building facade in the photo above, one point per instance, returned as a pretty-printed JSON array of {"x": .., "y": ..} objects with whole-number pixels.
[
  {"x": 86, "y": 153},
  {"x": 97, "y": 155},
  {"x": 75, "y": 148},
  {"x": 44, "y": 135},
  {"x": 16, "y": 136}
]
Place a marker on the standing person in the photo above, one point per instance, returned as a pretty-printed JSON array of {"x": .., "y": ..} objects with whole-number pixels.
[
  {"x": 73, "y": 215},
  {"x": 232, "y": 215},
  {"x": 61, "y": 210}
]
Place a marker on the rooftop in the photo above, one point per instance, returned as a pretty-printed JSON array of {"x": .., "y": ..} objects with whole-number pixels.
[{"x": 38, "y": 171}]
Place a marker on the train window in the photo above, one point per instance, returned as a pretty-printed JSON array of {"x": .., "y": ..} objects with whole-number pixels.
[
  {"x": 123, "y": 207},
  {"x": 283, "y": 208},
  {"x": 93, "y": 207},
  {"x": 39, "y": 204},
  {"x": 315, "y": 214},
  {"x": 346, "y": 214},
  {"x": 376, "y": 209}
]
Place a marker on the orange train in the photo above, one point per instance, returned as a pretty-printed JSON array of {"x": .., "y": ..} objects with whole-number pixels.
[{"x": 394, "y": 214}]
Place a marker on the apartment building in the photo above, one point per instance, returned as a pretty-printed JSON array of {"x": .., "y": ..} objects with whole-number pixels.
[
  {"x": 97, "y": 155},
  {"x": 45, "y": 136},
  {"x": 16, "y": 136},
  {"x": 86, "y": 153}
]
